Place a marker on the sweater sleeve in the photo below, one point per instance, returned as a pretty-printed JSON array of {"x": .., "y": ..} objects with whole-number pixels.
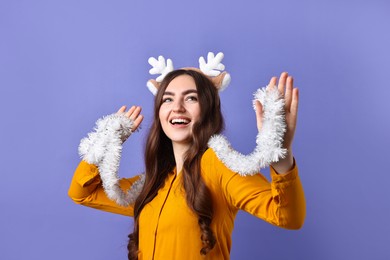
[
  {"x": 280, "y": 202},
  {"x": 86, "y": 189}
]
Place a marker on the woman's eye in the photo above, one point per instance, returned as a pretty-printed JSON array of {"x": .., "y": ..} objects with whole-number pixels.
[
  {"x": 192, "y": 98},
  {"x": 166, "y": 100}
]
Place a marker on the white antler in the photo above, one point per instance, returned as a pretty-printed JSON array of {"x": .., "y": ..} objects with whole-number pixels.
[
  {"x": 159, "y": 67},
  {"x": 213, "y": 66}
]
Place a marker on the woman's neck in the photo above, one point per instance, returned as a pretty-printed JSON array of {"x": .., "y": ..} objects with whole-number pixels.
[{"x": 179, "y": 151}]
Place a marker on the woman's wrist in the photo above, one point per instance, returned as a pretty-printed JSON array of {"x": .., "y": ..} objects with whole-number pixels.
[{"x": 284, "y": 165}]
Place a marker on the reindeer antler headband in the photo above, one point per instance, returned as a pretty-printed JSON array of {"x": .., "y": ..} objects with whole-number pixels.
[{"x": 213, "y": 69}]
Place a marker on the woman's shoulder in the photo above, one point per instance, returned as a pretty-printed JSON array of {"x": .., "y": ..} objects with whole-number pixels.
[
  {"x": 208, "y": 154},
  {"x": 213, "y": 167},
  {"x": 210, "y": 158}
]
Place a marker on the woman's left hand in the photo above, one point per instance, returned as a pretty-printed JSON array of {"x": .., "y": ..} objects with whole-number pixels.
[
  {"x": 291, "y": 98},
  {"x": 285, "y": 85}
]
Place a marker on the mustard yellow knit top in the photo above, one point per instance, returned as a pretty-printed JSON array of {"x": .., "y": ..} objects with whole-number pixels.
[{"x": 168, "y": 229}]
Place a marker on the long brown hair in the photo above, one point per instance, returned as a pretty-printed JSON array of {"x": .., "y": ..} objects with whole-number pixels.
[{"x": 160, "y": 161}]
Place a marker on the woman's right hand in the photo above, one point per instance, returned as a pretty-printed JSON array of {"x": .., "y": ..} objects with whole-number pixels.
[{"x": 134, "y": 114}]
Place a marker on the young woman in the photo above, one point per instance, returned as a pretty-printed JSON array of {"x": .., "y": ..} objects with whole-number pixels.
[{"x": 189, "y": 200}]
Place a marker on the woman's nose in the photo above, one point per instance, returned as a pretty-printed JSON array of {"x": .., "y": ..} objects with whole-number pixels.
[{"x": 178, "y": 106}]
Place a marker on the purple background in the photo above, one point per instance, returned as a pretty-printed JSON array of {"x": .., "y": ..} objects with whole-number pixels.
[{"x": 64, "y": 64}]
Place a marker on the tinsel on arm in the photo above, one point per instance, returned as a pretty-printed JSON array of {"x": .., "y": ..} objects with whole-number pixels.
[
  {"x": 269, "y": 140},
  {"x": 103, "y": 148}
]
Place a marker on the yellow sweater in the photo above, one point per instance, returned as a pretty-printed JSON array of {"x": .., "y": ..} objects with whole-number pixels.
[{"x": 169, "y": 229}]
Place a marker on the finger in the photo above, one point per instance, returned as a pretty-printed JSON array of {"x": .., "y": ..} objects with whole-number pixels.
[
  {"x": 259, "y": 114},
  {"x": 288, "y": 94},
  {"x": 272, "y": 82},
  {"x": 121, "y": 110},
  {"x": 258, "y": 108},
  {"x": 282, "y": 82},
  {"x": 137, "y": 122},
  {"x": 135, "y": 114},
  {"x": 295, "y": 102},
  {"x": 131, "y": 111}
]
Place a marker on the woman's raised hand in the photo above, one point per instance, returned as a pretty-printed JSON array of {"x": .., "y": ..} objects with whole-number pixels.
[
  {"x": 134, "y": 114},
  {"x": 285, "y": 85},
  {"x": 291, "y": 99}
]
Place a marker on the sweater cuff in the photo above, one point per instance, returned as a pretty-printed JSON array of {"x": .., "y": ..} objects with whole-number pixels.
[
  {"x": 284, "y": 177},
  {"x": 90, "y": 174}
]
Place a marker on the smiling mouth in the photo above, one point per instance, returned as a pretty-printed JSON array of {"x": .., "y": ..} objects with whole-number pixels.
[{"x": 179, "y": 121}]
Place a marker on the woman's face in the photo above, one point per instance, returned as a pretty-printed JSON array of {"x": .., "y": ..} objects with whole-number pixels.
[{"x": 179, "y": 109}]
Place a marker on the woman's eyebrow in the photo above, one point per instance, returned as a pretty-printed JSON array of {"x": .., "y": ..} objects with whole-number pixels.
[
  {"x": 168, "y": 93},
  {"x": 190, "y": 91},
  {"x": 186, "y": 92}
]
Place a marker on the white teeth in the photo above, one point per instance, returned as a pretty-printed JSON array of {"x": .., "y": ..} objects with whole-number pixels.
[{"x": 179, "y": 121}]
